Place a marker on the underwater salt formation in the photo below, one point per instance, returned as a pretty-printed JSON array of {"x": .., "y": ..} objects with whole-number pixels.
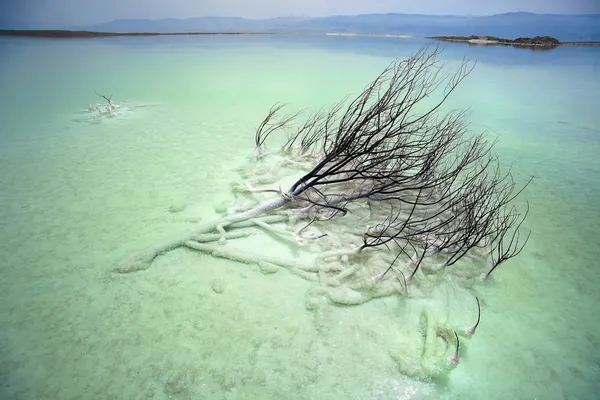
[{"x": 389, "y": 196}]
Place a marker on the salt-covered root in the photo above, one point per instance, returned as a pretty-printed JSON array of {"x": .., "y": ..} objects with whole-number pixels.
[
  {"x": 142, "y": 260},
  {"x": 227, "y": 208},
  {"x": 296, "y": 235},
  {"x": 269, "y": 228},
  {"x": 300, "y": 236},
  {"x": 213, "y": 237},
  {"x": 348, "y": 297},
  {"x": 346, "y": 273},
  {"x": 343, "y": 255},
  {"x": 249, "y": 258},
  {"x": 270, "y": 268},
  {"x": 267, "y": 219},
  {"x": 262, "y": 222},
  {"x": 222, "y": 234}
]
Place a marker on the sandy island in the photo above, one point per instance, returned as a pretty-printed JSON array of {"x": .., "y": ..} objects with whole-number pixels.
[{"x": 540, "y": 42}]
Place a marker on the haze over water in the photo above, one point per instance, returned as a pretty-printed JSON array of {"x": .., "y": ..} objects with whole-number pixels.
[{"x": 78, "y": 193}]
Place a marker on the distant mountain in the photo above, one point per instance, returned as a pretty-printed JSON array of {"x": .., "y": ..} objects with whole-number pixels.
[
  {"x": 585, "y": 27},
  {"x": 201, "y": 24}
]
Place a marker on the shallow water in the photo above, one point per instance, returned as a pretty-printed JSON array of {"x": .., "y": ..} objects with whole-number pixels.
[{"x": 78, "y": 193}]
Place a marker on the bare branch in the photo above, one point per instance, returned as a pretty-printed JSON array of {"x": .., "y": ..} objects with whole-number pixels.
[{"x": 270, "y": 124}]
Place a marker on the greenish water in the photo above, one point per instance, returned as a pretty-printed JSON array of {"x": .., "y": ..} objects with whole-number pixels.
[{"x": 78, "y": 193}]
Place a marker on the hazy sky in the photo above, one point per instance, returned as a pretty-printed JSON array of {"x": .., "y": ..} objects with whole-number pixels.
[{"x": 84, "y": 12}]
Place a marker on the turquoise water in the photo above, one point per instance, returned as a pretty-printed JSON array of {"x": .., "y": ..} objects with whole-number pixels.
[{"x": 78, "y": 193}]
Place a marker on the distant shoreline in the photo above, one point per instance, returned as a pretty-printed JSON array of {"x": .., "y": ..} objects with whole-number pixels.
[
  {"x": 539, "y": 42},
  {"x": 542, "y": 43},
  {"x": 66, "y": 34}
]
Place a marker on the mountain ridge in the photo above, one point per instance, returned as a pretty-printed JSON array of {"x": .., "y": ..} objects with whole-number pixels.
[{"x": 564, "y": 27}]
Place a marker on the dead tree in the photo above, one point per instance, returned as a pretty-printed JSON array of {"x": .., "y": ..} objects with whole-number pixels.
[
  {"x": 110, "y": 107},
  {"x": 435, "y": 191}
]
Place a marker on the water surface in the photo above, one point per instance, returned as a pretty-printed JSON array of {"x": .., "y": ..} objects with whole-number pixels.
[{"x": 79, "y": 193}]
